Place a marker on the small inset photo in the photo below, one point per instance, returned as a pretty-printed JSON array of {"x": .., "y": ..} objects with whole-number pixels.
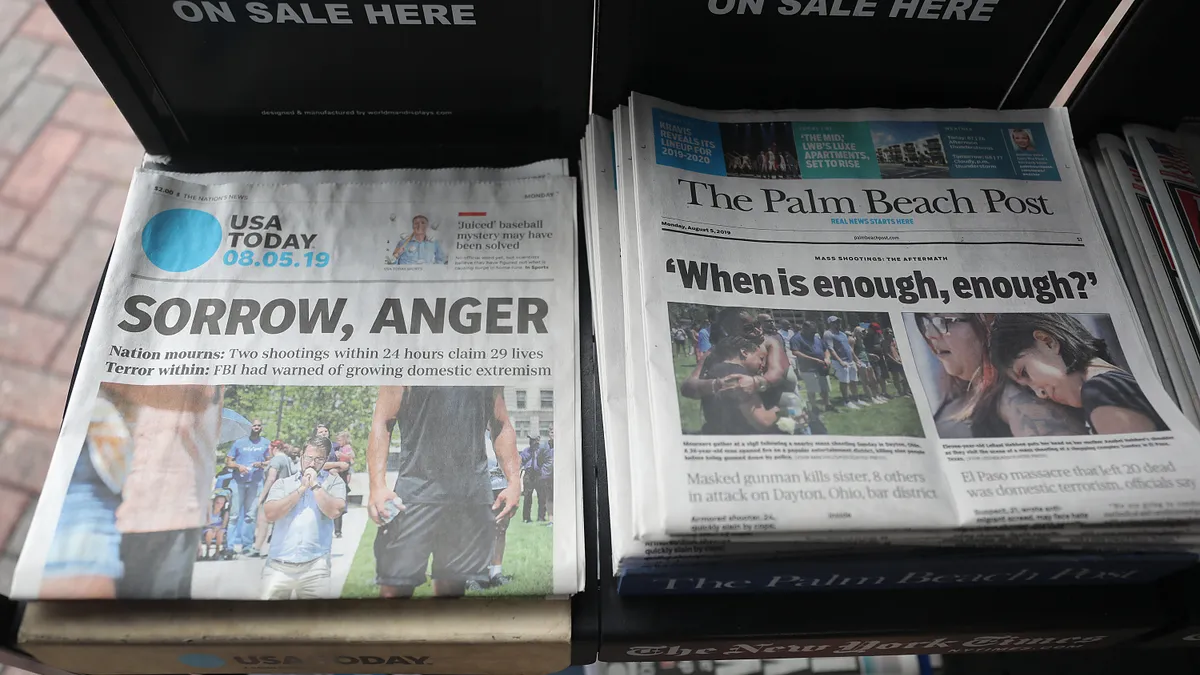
[
  {"x": 1021, "y": 139},
  {"x": 415, "y": 242},
  {"x": 760, "y": 150},
  {"x": 909, "y": 150},
  {"x": 1027, "y": 374},
  {"x": 747, "y": 370}
]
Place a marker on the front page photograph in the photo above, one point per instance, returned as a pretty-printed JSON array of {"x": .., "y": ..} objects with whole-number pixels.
[
  {"x": 278, "y": 518},
  {"x": 1012, "y": 375},
  {"x": 318, "y": 390},
  {"x": 789, "y": 372},
  {"x": 952, "y": 255}
]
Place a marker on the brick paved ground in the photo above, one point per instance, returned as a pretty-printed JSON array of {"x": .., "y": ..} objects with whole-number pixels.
[{"x": 66, "y": 156}]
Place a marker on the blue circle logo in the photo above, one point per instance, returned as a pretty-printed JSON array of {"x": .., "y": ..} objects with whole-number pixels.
[
  {"x": 201, "y": 660},
  {"x": 179, "y": 240}
]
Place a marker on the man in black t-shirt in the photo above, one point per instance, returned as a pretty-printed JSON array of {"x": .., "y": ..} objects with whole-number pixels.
[{"x": 441, "y": 504}]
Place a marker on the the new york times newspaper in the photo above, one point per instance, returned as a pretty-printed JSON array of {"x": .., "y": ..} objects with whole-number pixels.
[
  {"x": 322, "y": 390},
  {"x": 876, "y": 320}
]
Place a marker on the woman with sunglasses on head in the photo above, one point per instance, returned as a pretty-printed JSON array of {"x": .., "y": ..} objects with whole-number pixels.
[
  {"x": 978, "y": 402},
  {"x": 1058, "y": 359}
]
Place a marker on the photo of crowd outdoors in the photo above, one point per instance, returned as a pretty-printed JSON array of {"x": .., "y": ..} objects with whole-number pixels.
[
  {"x": 743, "y": 370},
  {"x": 245, "y": 492},
  {"x": 760, "y": 150},
  {"x": 282, "y": 496},
  {"x": 1027, "y": 374}
]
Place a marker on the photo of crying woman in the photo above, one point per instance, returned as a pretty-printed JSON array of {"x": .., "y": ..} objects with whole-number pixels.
[
  {"x": 969, "y": 397},
  {"x": 1058, "y": 359}
]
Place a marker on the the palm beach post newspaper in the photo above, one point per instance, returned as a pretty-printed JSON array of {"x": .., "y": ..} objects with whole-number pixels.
[
  {"x": 898, "y": 320},
  {"x": 320, "y": 390}
]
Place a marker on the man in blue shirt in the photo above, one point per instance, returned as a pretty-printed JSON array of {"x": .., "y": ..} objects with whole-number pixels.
[
  {"x": 842, "y": 355},
  {"x": 418, "y": 248},
  {"x": 703, "y": 340},
  {"x": 303, "y": 506},
  {"x": 786, "y": 332},
  {"x": 247, "y": 457}
]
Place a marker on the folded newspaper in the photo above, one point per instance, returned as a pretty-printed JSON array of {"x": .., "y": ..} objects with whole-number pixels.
[
  {"x": 1170, "y": 198},
  {"x": 340, "y": 384},
  {"x": 866, "y": 328},
  {"x": 1154, "y": 270}
]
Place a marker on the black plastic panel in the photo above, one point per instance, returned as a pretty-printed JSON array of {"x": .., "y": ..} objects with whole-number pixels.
[
  {"x": 896, "y": 53},
  {"x": 429, "y": 83},
  {"x": 1146, "y": 74}
]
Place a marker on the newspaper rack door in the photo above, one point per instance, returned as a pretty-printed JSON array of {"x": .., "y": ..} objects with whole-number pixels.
[
  {"x": 234, "y": 86},
  {"x": 284, "y": 85}
]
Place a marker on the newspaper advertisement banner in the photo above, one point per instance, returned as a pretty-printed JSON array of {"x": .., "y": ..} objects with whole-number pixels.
[
  {"x": 872, "y": 319},
  {"x": 322, "y": 390}
]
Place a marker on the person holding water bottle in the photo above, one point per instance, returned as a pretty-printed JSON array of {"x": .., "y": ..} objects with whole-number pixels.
[{"x": 441, "y": 505}]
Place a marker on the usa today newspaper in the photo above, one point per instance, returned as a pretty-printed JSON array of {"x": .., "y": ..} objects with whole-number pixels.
[
  {"x": 870, "y": 321},
  {"x": 323, "y": 390}
]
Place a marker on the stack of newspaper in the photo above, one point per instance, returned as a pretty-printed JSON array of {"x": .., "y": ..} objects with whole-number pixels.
[
  {"x": 1149, "y": 203},
  {"x": 832, "y": 332},
  {"x": 324, "y": 385}
]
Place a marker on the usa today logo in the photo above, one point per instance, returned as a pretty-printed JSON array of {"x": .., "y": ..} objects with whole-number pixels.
[{"x": 180, "y": 240}]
